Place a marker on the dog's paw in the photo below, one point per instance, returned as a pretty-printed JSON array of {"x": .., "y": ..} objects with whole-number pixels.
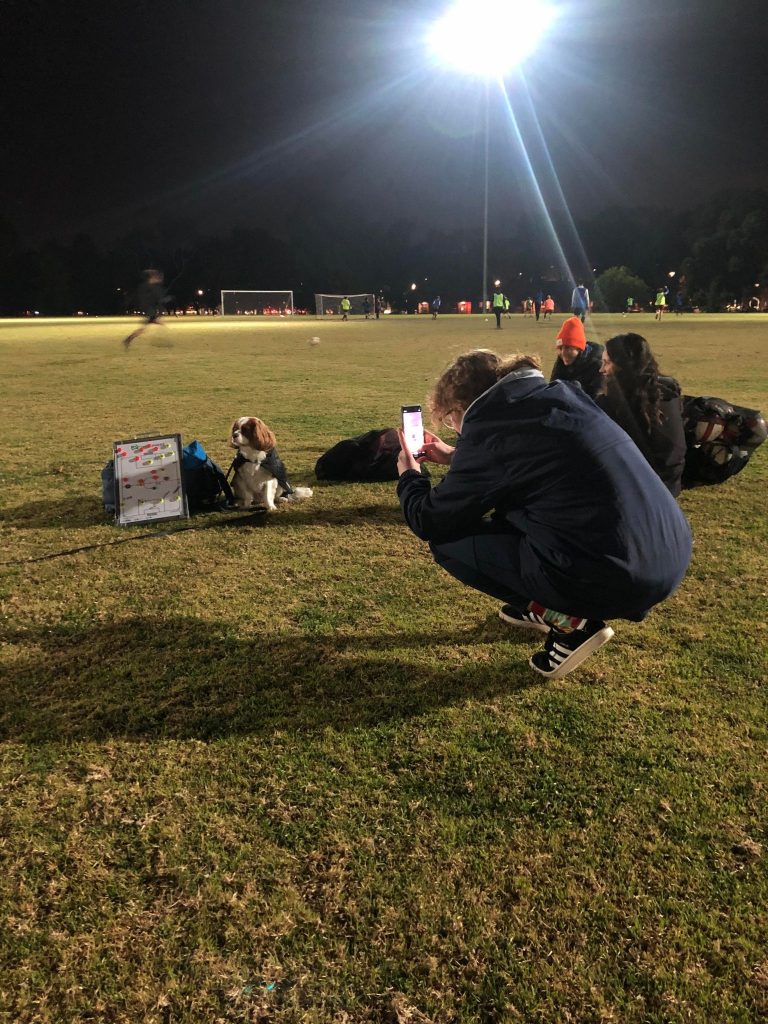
[{"x": 299, "y": 494}]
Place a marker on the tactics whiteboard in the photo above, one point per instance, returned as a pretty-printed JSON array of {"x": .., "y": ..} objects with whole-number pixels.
[{"x": 148, "y": 480}]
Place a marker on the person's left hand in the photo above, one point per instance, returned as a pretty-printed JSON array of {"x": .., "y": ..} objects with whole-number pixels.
[{"x": 405, "y": 460}]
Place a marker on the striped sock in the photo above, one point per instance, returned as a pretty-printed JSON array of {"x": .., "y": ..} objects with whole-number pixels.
[{"x": 557, "y": 620}]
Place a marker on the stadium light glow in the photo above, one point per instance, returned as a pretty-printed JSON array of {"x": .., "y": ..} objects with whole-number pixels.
[{"x": 489, "y": 38}]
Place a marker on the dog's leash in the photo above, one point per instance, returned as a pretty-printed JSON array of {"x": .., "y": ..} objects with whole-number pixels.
[{"x": 238, "y": 460}]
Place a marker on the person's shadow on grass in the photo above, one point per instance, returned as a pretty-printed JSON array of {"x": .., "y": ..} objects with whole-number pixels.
[
  {"x": 79, "y": 512},
  {"x": 182, "y": 678}
]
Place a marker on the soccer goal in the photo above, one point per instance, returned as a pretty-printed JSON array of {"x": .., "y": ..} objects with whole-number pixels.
[
  {"x": 330, "y": 305},
  {"x": 256, "y": 303}
]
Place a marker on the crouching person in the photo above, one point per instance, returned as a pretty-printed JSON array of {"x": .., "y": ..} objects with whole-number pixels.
[{"x": 548, "y": 506}]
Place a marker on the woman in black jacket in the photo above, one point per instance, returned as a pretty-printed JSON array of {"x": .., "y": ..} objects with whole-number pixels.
[
  {"x": 578, "y": 360},
  {"x": 645, "y": 404},
  {"x": 547, "y": 506}
]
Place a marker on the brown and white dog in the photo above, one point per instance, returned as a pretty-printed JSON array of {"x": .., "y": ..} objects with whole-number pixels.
[{"x": 260, "y": 477}]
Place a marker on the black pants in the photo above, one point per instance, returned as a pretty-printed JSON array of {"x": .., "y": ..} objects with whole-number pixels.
[
  {"x": 497, "y": 311},
  {"x": 491, "y": 559},
  {"x": 537, "y": 309},
  {"x": 488, "y": 561}
]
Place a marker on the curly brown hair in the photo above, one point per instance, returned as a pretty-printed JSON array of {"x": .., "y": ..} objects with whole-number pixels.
[{"x": 468, "y": 376}]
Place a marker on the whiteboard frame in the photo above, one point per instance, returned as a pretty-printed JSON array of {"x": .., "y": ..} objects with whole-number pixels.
[{"x": 137, "y": 503}]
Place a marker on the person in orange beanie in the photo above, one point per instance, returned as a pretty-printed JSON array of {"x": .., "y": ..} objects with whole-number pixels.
[{"x": 578, "y": 360}]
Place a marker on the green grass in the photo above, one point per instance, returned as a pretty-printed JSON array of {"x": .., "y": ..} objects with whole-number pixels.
[{"x": 284, "y": 770}]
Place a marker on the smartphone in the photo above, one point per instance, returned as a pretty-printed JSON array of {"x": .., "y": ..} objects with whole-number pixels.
[{"x": 413, "y": 427}]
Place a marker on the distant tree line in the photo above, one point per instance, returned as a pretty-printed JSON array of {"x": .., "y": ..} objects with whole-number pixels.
[{"x": 718, "y": 251}]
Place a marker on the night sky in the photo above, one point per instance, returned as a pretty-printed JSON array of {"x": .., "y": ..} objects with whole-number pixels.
[{"x": 263, "y": 113}]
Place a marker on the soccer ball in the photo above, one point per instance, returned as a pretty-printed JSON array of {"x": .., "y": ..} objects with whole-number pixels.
[{"x": 313, "y": 341}]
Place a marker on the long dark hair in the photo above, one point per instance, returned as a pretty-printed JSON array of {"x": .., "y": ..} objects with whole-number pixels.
[{"x": 636, "y": 374}]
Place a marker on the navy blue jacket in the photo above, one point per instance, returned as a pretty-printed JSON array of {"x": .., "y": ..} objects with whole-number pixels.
[{"x": 598, "y": 533}]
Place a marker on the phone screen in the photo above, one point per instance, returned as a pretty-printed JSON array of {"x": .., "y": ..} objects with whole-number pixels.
[{"x": 413, "y": 427}]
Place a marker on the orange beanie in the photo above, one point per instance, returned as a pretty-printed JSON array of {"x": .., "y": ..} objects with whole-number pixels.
[{"x": 572, "y": 333}]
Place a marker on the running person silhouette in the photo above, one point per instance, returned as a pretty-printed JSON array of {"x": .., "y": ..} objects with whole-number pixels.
[{"x": 153, "y": 299}]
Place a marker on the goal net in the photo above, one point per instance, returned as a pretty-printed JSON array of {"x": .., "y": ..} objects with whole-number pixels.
[
  {"x": 256, "y": 303},
  {"x": 330, "y": 305}
]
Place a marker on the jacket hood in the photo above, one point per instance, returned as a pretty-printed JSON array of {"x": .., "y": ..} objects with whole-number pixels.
[{"x": 523, "y": 374}]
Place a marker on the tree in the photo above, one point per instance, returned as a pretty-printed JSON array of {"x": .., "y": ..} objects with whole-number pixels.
[{"x": 616, "y": 284}]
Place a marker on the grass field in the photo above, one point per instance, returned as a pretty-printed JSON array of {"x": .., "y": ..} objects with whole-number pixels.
[{"x": 284, "y": 770}]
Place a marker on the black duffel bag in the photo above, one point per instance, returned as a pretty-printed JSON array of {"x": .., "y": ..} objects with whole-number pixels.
[{"x": 720, "y": 439}]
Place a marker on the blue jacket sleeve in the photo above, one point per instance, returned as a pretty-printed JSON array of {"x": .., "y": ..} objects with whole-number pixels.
[{"x": 455, "y": 506}]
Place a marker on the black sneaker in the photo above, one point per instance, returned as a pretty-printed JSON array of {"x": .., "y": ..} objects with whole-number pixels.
[
  {"x": 563, "y": 652},
  {"x": 527, "y": 620}
]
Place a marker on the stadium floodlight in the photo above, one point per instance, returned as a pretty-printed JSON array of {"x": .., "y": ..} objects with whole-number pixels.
[
  {"x": 250, "y": 302},
  {"x": 489, "y": 38}
]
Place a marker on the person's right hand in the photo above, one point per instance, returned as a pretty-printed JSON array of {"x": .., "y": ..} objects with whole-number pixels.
[{"x": 435, "y": 450}]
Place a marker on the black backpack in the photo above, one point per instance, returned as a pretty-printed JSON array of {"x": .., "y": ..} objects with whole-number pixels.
[
  {"x": 367, "y": 458},
  {"x": 720, "y": 439}
]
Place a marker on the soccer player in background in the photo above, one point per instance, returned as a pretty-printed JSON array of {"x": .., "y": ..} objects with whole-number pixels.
[
  {"x": 346, "y": 305},
  {"x": 498, "y": 308},
  {"x": 152, "y": 299},
  {"x": 580, "y": 301}
]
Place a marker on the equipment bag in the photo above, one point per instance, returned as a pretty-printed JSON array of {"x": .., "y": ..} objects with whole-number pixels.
[
  {"x": 367, "y": 458},
  {"x": 720, "y": 439},
  {"x": 108, "y": 495},
  {"x": 204, "y": 481}
]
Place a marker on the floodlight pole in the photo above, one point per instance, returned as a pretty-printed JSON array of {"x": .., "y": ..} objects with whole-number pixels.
[{"x": 485, "y": 210}]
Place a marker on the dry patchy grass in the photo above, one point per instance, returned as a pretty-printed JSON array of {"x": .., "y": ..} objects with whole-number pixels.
[{"x": 282, "y": 770}]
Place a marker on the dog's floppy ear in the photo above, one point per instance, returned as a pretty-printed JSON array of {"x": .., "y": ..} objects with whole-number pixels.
[{"x": 263, "y": 438}]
